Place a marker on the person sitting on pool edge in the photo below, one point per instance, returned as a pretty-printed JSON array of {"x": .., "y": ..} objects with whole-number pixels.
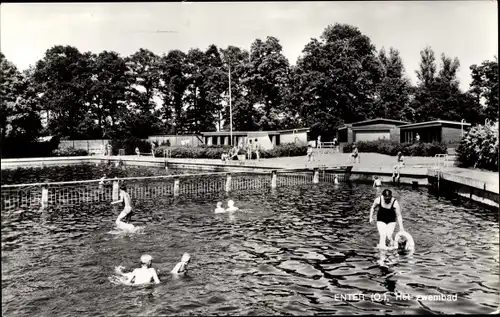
[
  {"x": 126, "y": 214},
  {"x": 388, "y": 212},
  {"x": 219, "y": 208},
  {"x": 143, "y": 275},
  {"x": 182, "y": 267},
  {"x": 231, "y": 207}
]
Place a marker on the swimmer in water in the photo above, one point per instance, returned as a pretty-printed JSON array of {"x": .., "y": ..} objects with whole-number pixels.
[
  {"x": 388, "y": 212},
  {"x": 377, "y": 182},
  {"x": 231, "y": 207},
  {"x": 219, "y": 208},
  {"x": 335, "y": 180},
  {"x": 127, "y": 209},
  {"x": 143, "y": 275},
  {"x": 182, "y": 266}
]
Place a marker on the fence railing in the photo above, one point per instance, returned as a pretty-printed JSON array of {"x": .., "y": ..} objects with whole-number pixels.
[{"x": 71, "y": 193}]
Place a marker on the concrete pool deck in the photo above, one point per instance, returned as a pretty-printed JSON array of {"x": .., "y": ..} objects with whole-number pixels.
[{"x": 416, "y": 168}]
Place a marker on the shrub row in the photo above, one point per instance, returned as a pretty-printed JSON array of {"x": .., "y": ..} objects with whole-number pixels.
[
  {"x": 479, "y": 148},
  {"x": 392, "y": 148},
  {"x": 129, "y": 145},
  {"x": 215, "y": 152},
  {"x": 71, "y": 151},
  {"x": 16, "y": 148}
]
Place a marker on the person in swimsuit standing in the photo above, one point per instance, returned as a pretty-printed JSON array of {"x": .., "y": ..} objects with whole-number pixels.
[
  {"x": 388, "y": 212},
  {"x": 126, "y": 214}
]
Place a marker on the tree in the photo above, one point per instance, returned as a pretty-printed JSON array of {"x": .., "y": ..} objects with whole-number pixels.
[
  {"x": 206, "y": 85},
  {"x": 427, "y": 73},
  {"x": 484, "y": 86},
  {"x": 245, "y": 116},
  {"x": 20, "y": 120},
  {"x": 336, "y": 79},
  {"x": 394, "y": 89},
  {"x": 143, "y": 69},
  {"x": 266, "y": 78},
  {"x": 63, "y": 79},
  {"x": 173, "y": 68},
  {"x": 107, "y": 94},
  {"x": 439, "y": 96}
]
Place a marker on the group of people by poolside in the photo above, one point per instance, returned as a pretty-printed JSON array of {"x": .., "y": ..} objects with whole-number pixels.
[{"x": 252, "y": 146}]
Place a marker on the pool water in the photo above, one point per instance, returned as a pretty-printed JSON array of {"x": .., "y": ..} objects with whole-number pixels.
[
  {"x": 81, "y": 172},
  {"x": 294, "y": 251}
]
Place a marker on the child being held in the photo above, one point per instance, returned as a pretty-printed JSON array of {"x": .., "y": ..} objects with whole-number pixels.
[
  {"x": 181, "y": 267},
  {"x": 231, "y": 207},
  {"x": 219, "y": 208}
]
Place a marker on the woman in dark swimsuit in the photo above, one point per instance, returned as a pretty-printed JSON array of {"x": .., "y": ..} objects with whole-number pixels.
[{"x": 388, "y": 212}]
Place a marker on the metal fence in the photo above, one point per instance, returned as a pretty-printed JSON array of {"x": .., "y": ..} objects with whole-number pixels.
[{"x": 35, "y": 196}]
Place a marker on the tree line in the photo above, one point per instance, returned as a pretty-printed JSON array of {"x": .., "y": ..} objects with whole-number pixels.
[{"x": 339, "y": 78}]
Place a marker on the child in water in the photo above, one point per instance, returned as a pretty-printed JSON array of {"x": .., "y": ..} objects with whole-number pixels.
[
  {"x": 377, "y": 182},
  {"x": 181, "y": 267},
  {"x": 143, "y": 275},
  {"x": 231, "y": 207},
  {"x": 219, "y": 208}
]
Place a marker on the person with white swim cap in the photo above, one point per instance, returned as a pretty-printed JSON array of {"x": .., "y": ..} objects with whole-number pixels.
[
  {"x": 182, "y": 266},
  {"x": 231, "y": 207},
  {"x": 404, "y": 241},
  {"x": 143, "y": 275},
  {"x": 219, "y": 208}
]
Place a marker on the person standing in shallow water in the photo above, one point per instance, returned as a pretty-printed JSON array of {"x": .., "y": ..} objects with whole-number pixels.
[
  {"x": 126, "y": 214},
  {"x": 388, "y": 212}
]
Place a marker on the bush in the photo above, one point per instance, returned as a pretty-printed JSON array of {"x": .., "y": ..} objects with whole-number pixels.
[
  {"x": 129, "y": 145},
  {"x": 17, "y": 148},
  {"x": 216, "y": 151},
  {"x": 71, "y": 151},
  {"x": 392, "y": 148},
  {"x": 479, "y": 148}
]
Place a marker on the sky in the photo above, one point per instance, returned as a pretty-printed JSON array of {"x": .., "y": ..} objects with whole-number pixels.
[{"x": 464, "y": 29}]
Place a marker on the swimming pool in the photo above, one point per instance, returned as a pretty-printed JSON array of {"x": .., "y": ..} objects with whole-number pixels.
[
  {"x": 297, "y": 252},
  {"x": 81, "y": 172}
]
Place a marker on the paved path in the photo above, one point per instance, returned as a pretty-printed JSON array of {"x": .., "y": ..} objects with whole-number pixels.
[{"x": 370, "y": 163}]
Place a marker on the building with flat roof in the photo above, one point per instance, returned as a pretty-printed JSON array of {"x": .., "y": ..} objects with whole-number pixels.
[
  {"x": 370, "y": 130},
  {"x": 449, "y": 132},
  {"x": 266, "y": 139}
]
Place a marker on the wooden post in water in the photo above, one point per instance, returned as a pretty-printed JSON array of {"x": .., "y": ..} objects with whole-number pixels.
[
  {"x": 274, "y": 177},
  {"x": 228, "y": 182},
  {"x": 176, "y": 187},
  {"x": 116, "y": 190},
  {"x": 316, "y": 176}
]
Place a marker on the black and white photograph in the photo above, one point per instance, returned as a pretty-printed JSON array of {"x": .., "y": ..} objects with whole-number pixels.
[{"x": 266, "y": 158}]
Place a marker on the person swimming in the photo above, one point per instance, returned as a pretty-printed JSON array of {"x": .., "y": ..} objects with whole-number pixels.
[
  {"x": 377, "y": 182},
  {"x": 182, "y": 266},
  {"x": 143, "y": 275},
  {"x": 231, "y": 207},
  {"x": 219, "y": 208}
]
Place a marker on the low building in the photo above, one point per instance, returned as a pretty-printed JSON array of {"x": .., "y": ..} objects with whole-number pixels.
[
  {"x": 266, "y": 139},
  {"x": 370, "y": 130},
  {"x": 449, "y": 132}
]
